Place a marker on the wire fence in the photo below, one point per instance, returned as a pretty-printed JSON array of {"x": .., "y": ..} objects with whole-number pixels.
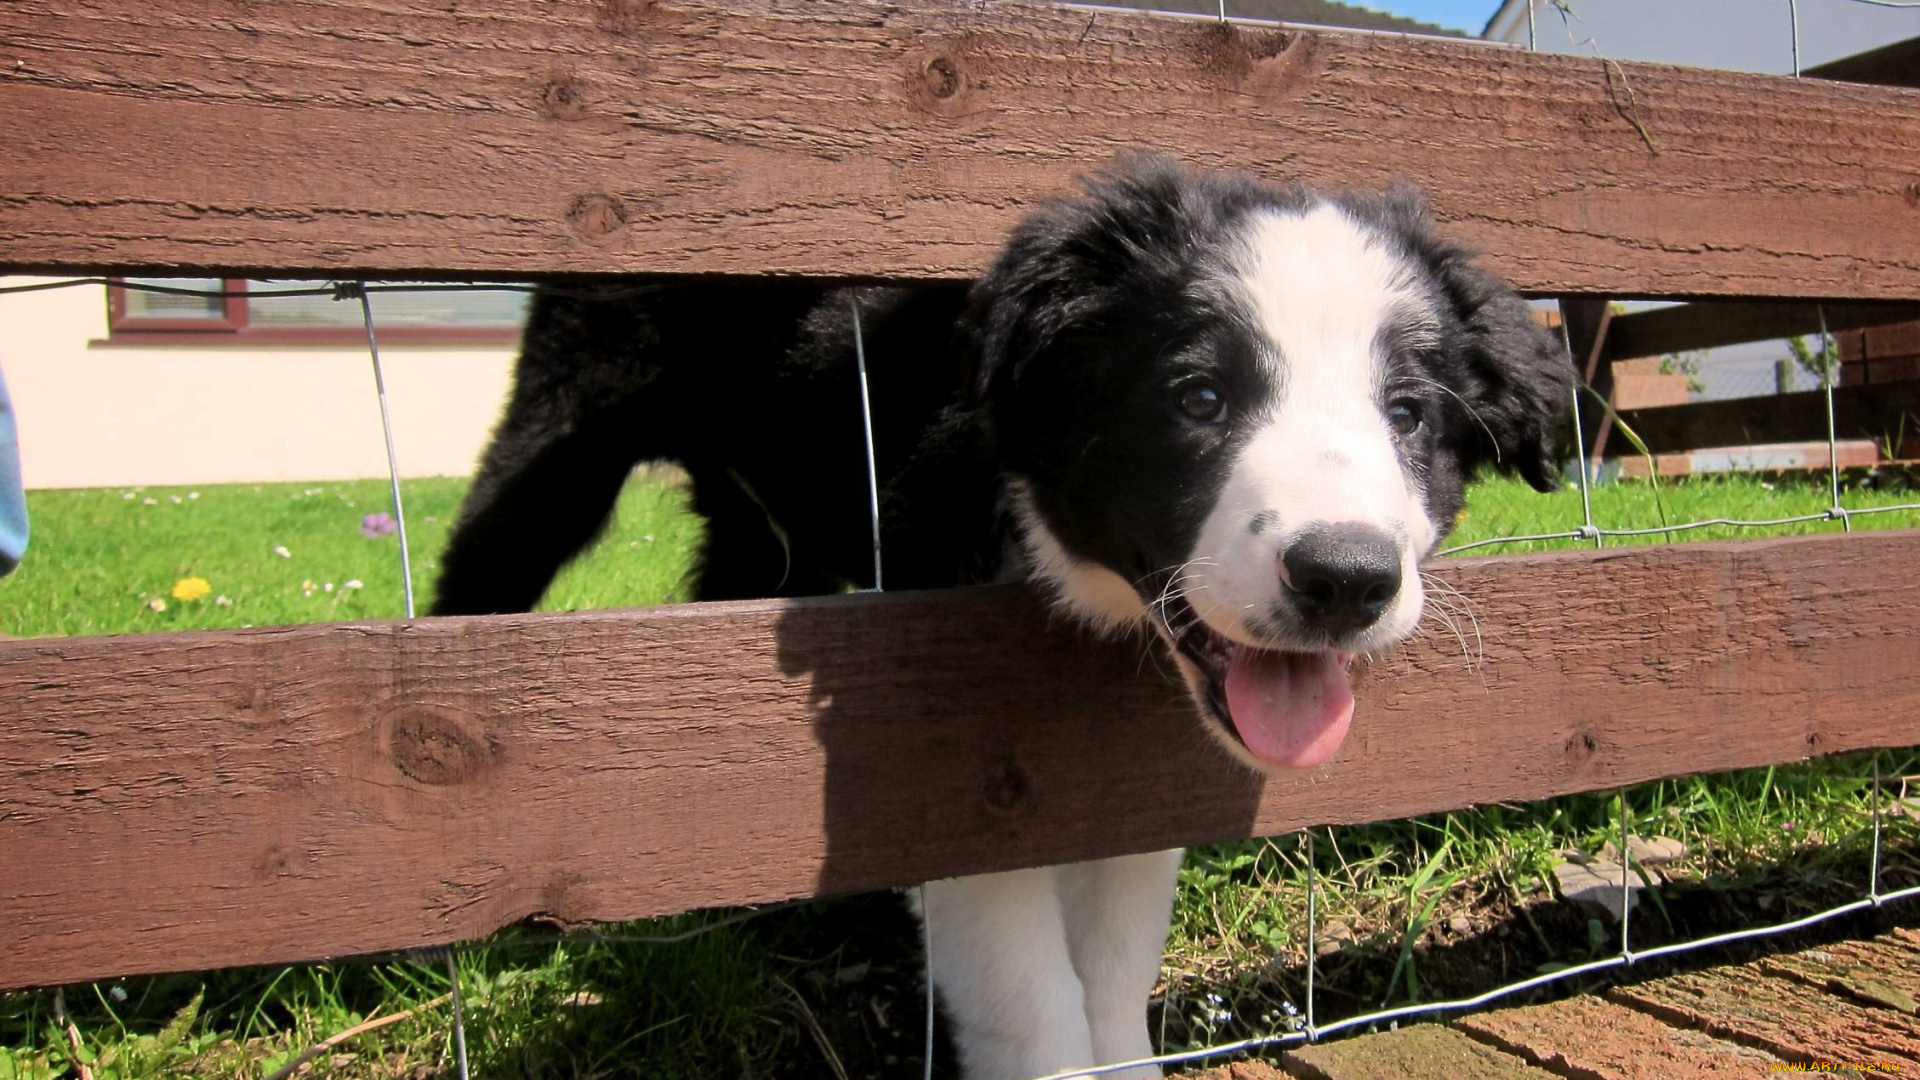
[
  {"x": 1302, "y": 1028},
  {"x": 1294, "y": 1030}
]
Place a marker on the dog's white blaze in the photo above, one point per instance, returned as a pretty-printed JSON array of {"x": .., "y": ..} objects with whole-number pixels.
[{"x": 1320, "y": 289}]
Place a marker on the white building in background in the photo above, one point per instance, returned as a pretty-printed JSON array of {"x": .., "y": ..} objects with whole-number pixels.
[
  {"x": 1731, "y": 35},
  {"x": 164, "y": 390}
]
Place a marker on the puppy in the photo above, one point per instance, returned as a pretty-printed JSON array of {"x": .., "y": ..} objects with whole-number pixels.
[{"x": 1232, "y": 415}]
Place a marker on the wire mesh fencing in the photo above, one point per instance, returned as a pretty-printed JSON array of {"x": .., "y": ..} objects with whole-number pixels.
[{"x": 1288, "y": 1026}]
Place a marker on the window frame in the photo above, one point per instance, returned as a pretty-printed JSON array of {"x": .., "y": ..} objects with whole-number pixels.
[{"x": 234, "y": 327}]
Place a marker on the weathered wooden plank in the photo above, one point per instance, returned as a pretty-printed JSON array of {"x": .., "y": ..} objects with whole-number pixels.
[
  {"x": 890, "y": 138},
  {"x": 1711, "y": 324},
  {"x": 1874, "y": 411},
  {"x": 1897, "y": 64},
  {"x": 198, "y": 799}
]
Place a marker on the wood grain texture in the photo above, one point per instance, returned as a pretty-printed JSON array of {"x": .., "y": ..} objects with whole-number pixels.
[
  {"x": 898, "y": 139},
  {"x": 180, "y": 801}
]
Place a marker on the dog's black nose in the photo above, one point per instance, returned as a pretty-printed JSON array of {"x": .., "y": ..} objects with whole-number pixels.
[{"x": 1342, "y": 575}]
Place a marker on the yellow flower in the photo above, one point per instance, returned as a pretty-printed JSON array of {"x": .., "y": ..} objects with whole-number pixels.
[
  {"x": 156, "y": 604},
  {"x": 189, "y": 589}
]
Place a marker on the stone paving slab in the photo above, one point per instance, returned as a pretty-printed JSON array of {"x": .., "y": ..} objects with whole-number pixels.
[
  {"x": 1786, "y": 1017},
  {"x": 1239, "y": 1070},
  {"x": 1420, "y": 1052},
  {"x": 1846, "y": 1002},
  {"x": 1596, "y": 1039},
  {"x": 1883, "y": 972}
]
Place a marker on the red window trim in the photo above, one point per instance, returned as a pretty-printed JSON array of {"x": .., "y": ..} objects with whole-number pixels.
[{"x": 232, "y": 327}]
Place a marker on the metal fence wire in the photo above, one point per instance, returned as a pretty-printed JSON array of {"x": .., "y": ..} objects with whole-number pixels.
[
  {"x": 1301, "y": 1029},
  {"x": 1307, "y": 1026}
]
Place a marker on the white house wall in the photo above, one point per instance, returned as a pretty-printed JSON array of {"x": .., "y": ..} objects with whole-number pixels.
[{"x": 96, "y": 415}]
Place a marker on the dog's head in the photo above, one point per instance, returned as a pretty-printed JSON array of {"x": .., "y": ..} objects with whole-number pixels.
[{"x": 1242, "y": 415}]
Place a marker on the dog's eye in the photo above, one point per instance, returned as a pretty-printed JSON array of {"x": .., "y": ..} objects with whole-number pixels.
[
  {"x": 1403, "y": 415},
  {"x": 1204, "y": 402}
]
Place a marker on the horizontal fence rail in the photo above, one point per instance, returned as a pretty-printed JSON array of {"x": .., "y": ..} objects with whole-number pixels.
[
  {"x": 184, "y": 801},
  {"x": 1881, "y": 411},
  {"x": 1686, "y": 327},
  {"x": 869, "y": 139}
]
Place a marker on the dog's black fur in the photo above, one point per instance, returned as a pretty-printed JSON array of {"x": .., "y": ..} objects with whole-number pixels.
[
  {"x": 1050, "y": 369},
  {"x": 753, "y": 390}
]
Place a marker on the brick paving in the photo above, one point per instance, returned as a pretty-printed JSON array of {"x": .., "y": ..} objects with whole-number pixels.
[{"x": 1850, "y": 1002}]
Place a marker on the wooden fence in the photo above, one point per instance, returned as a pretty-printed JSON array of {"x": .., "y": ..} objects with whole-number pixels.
[
  {"x": 1882, "y": 410},
  {"x": 184, "y": 801}
]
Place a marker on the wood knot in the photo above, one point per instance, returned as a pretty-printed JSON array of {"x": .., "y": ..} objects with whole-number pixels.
[
  {"x": 621, "y": 16},
  {"x": 1269, "y": 62},
  {"x": 943, "y": 78},
  {"x": 941, "y": 82},
  {"x": 437, "y": 746},
  {"x": 254, "y": 704},
  {"x": 1581, "y": 747},
  {"x": 1912, "y": 194},
  {"x": 275, "y": 861},
  {"x": 563, "y": 98},
  {"x": 596, "y": 217},
  {"x": 1008, "y": 789}
]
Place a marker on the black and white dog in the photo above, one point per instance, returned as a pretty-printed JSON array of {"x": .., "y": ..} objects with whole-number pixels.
[{"x": 1233, "y": 415}]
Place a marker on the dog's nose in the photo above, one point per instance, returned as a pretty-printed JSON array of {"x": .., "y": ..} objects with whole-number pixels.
[{"x": 1342, "y": 575}]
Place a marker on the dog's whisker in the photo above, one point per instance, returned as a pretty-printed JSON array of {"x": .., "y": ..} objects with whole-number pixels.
[
  {"x": 1438, "y": 589},
  {"x": 1463, "y": 404}
]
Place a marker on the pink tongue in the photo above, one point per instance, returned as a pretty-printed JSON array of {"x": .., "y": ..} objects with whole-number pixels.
[{"x": 1291, "y": 709}]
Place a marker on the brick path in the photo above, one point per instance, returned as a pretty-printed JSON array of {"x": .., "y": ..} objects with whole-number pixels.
[{"x": 1854, "y": 1001}]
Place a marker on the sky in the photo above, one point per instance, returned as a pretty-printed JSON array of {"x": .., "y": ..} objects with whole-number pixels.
[{"x": 1467, "y": 15}]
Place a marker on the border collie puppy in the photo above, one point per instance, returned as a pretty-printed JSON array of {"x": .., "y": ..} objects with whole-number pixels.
[{"x": 1233, "y": 415}]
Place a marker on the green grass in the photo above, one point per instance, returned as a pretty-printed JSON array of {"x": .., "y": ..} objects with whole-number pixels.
[
  {"x": 1424, "y": 907},
  {"x": 1498, "y": 508},
  {"x": 101, "y": 559}
]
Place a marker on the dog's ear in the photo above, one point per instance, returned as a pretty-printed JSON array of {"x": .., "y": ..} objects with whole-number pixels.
[
  {"x": 1525, "y": 376},
  {"x": 1067, "y": 259},
  {"x": 1513, "y": 373}
]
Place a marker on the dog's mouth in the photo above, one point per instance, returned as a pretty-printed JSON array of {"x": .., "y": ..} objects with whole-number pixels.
[{"x": 1290, "y": 710}]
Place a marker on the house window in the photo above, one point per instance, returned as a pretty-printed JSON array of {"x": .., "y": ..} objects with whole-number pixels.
[{"x": 438, "y": 317}]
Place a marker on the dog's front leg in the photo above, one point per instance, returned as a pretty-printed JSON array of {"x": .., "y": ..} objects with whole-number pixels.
[
  {"x": 1002, "y": 967},
  {"x": 1117, "y": 912}
]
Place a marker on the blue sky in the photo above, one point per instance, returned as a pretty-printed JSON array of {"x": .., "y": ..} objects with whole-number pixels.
[{"x": 1467, "y": 15}]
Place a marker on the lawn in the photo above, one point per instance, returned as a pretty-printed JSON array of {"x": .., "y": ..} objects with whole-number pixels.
[
  {"x": 106, "y": 561},
  {"x": 1410, "y": 910}
]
